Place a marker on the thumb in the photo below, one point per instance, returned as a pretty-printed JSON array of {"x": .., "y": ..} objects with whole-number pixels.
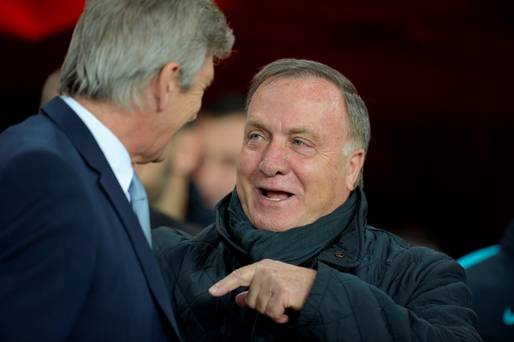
[{"x": 241, "y": 299}]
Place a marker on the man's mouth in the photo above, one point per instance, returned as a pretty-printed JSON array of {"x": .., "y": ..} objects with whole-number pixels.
[{"x": 275, "y": 195}]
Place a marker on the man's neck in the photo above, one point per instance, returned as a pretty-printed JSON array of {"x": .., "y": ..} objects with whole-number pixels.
[{"x": 125, "y": 124}]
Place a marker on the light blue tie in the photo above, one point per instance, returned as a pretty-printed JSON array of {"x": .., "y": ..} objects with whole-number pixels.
[{"x": 139, "y": 203}]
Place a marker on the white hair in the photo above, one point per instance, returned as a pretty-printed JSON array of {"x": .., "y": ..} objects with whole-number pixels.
[{"x": 118, "y": 46}]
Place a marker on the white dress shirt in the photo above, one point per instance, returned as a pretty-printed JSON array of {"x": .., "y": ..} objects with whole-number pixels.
[{"x": 116, "y": 154}]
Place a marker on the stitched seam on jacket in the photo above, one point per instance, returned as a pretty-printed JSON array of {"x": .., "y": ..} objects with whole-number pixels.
[{"x": 383, "y": 313}]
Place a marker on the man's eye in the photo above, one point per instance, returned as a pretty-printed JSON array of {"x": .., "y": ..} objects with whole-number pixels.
[
  {"x": 254, "y": 136},
  {"x": 300, "y": 143}
]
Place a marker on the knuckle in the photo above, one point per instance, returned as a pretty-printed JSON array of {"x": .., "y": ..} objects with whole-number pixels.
[
  {"x": 237, "y": 274},
  {"x": 267, "y": 263},
  {"x": 274, "y": 311},
  {"x": 282, "y": 295},
  {"x": 261, "y": 308}
]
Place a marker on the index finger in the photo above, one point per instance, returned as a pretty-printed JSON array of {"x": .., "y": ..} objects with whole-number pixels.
[{"x": 241, "y": 277}]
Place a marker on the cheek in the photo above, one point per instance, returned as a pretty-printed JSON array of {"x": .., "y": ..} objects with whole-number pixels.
[
  {"x": 198, "y": 105},
  {"x": 191, "y": 104},
  {"x": 317, "y": 178},
  {"x": 192, "y": 108},
  {"x": 247, "y": 168},
  {"x": 248, "y": 161},
  {"x": 198, "y": 100}
]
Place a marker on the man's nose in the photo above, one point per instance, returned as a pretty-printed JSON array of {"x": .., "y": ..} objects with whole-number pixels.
[{"x": 274, "y": 160}]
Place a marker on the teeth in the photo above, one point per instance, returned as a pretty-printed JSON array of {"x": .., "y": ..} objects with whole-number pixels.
[{"x": 276, "y": 195}]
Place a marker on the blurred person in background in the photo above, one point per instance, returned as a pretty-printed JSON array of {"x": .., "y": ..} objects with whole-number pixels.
[
  {"x": 50, "y": 87},
  {"x": 201, "y": 168},
  {"x": 76, "y": 260},
  {"x": 291, "y": 256},
  {"x": 167, "y": 182},
  {"x": 490, "y": 273},
  {"x": 222, "y": 131}
]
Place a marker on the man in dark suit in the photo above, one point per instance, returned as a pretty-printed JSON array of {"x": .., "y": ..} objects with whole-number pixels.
[{"x": 75, "y": 250}]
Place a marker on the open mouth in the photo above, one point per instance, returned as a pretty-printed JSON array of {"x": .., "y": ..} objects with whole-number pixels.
[{"x": 275, "y": 195}]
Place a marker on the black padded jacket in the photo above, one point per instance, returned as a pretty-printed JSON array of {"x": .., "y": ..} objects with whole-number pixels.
[{"x": 370, "y": 286}]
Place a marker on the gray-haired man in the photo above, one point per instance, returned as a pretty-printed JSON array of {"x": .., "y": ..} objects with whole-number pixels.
[
  {"x": 75, "y": 251},
  {"x": 291, "y": 256}
]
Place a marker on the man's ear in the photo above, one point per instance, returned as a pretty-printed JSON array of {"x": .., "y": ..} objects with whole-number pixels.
[
  {"x": 166, "y": 83},
  {"x": 355, "y": 164}
]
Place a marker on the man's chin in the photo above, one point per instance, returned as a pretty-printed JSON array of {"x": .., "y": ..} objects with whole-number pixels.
[{"x": 271, "y": 223}]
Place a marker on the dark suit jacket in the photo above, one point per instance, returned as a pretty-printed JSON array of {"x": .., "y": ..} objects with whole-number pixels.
[{"x": 74, "y": 263}]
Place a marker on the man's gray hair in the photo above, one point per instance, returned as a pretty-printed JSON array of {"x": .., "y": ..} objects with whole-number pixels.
[
  {"x": 358, "y": 134},
  {"x": 118, "y": 46}
]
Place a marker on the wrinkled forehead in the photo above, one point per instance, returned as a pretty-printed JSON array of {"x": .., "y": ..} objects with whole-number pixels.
[
  {"x": 298, "y": 98},
  {"x": 291, "y": 106},
  {"x": 315, "y": 85}
]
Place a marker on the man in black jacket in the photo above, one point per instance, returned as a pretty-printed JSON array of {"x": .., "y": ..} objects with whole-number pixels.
[{"x": 290, "y": 255}]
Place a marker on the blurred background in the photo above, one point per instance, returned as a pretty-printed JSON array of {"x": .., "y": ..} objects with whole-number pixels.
[{"x": 437, "y": 77}]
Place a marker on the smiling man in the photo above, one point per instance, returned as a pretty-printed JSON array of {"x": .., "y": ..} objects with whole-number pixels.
[{"x": 291, "y": 256}]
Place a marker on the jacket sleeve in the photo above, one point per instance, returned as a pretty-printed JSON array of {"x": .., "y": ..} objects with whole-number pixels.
[
  {"x": 426, "y": 300},
  {"x": 47, "y": 248}
]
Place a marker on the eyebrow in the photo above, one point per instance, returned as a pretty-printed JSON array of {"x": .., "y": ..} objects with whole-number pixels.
[
  {"x": 294, "y": 130},
  {"x": 304, "y": 130}
]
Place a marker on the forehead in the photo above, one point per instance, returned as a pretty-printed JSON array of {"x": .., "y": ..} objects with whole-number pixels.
[{"x": 302, "y": 101}]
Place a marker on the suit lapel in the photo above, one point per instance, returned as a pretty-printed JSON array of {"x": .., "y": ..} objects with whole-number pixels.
[
  {"x": 83, "y": 140},
  {"x": 139, "y": 243}
]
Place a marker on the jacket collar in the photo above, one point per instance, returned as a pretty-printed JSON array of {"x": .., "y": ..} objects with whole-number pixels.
[
  {"x": 222, "y": 220},
  {"x": 64, "y": 117},
  {"x": 345, "y": 253}
]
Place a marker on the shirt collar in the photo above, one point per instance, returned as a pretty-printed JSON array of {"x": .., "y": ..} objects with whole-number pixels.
[{"x": 116, "y": 154}]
